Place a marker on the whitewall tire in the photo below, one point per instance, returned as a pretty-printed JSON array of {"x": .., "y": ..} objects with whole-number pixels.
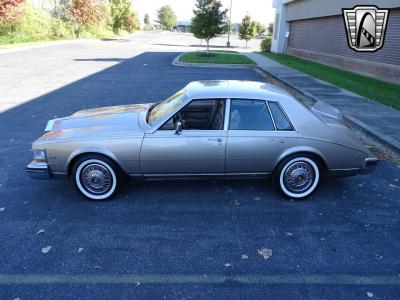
[
  {"x": 96, "y": 177},
  {"x": 298, "y": 176}
]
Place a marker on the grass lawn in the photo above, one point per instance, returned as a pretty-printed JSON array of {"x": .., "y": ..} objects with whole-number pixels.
[
  {"x": 381, "y": 91},
  {"x": 217, "y": 57},
  {"x": 228, "y": 51}
]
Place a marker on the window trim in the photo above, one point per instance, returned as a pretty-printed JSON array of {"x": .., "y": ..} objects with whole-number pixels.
[
  {"x": 251, "y": 99},
  {"x": 198, "y": 99},
  {"x": 285, "y": 114}
]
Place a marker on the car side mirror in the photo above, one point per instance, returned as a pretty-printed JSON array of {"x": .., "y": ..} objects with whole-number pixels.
[{"x": 178, "y": 127}]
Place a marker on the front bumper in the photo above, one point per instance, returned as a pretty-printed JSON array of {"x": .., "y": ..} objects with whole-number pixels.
[{"x": 38, "y": 170}]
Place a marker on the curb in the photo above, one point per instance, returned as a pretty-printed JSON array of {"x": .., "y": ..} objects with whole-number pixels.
[
  {"x": 42, "y": 45},
  {"x": 178, "y": 63},
  {"x": 364, "y": 128}
]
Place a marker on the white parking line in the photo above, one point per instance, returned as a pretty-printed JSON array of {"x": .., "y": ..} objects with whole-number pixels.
[{"x": 6, "y": 279}]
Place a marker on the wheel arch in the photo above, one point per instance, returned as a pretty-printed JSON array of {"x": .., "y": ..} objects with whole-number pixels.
[
  {"x": 305, "y": 151},
  {"x": 77, "y": 154}
]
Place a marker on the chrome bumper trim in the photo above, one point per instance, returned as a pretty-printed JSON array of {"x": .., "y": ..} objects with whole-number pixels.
[
  {"x": 371, "y": 161},
  {"x": 370, "y": 165},
  {"x": 38, "y": 170}
]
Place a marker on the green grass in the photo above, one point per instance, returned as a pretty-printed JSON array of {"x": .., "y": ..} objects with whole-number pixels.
[
  {"x": 224, "y": 51},
  {"x": 216, "y": 58},
  {"x": 381, "y": 91}
]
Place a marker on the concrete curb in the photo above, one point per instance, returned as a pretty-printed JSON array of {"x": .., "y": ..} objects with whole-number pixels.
[
  {"x": 42, "y": 45},
  {"x": 364, "y": 128},
  {"x": 178, "y": 63}
]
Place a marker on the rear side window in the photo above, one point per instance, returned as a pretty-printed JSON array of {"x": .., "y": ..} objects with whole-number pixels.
[
  {"x": 250, "y": 115},
  {"x": 281, "y": 121}
]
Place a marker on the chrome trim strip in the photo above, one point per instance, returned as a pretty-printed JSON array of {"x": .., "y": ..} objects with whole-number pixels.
[
  {"x": 270, "y": 114},
  {"x": 344, "y": 170},
  {"x": 227, "y": 113},
  {"x": 204, "y": 174}
]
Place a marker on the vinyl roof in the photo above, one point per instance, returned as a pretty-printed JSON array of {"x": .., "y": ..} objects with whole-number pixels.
[{"x": 233, "y": 89}]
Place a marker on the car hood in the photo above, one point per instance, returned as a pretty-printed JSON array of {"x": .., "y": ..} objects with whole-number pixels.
[{"x": 96, "y": 123}]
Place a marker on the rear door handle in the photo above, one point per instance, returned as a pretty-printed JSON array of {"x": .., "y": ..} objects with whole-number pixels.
[{"x": 219, "y": 140}]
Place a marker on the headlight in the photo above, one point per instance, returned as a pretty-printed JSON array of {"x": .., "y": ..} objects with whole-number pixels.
[{"x": 39, "y": 155}]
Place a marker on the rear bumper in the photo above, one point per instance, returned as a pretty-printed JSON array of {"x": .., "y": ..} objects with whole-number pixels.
[
  {"x": 38, "y": 170},
  {"x": 370, "y": 165}
]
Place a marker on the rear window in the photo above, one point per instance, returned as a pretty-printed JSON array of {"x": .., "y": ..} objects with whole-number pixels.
[
  {"x": 281, "y": 121},
  {"x": 250, "y": 115}
]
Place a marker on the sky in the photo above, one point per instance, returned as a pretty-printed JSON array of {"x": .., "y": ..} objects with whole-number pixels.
[{"x": 260, "y": 10}]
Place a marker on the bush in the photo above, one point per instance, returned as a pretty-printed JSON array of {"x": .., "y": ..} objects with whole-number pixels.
[
  {"x": 96, "y": 31},
  {"x": 266, "y": 44},
  {"x": 35, "y": 24},
  {"x": 61, "y": 29}
]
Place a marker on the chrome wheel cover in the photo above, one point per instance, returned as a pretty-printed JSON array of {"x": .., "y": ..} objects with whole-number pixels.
[
  {"x": 96, "y": 178},
  {"x": 299, "y": 177}
]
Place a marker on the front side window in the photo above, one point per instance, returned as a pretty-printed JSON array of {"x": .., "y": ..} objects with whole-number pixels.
[
  {"x": 281, "y": 121},
  {"x": 250, "y": 115},
  {"x": 164, "y": 108},
  {"x": 199, "y": 115}
]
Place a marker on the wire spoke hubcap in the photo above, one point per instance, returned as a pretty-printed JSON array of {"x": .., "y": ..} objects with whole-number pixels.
[
  {"x": 96, "y": 178},
  {"x": 299, "y": 177}
]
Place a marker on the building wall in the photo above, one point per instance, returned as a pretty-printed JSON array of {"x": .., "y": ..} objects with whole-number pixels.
[
  {"x": 328, "y": 35},
  {"x": 324, "y": 39},
  {"x": 307, "y": 9}
]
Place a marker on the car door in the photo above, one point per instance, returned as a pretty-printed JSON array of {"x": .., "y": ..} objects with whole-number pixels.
[
  {"x": 192, "y": 151},
  {"x": 254, "y": 140}
]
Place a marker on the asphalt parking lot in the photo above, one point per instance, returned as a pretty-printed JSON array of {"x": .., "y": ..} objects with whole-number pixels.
[{"x": 183, "y": 239}]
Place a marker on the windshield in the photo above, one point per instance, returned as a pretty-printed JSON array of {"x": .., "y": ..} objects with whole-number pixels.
[{"x": 166, "y": 107}]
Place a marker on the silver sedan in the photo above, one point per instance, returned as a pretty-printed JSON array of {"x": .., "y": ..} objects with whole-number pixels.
[{"x": 207, "y": 129}]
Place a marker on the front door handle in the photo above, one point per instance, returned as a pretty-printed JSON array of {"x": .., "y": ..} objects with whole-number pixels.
[{"x": 219, "y": 140}]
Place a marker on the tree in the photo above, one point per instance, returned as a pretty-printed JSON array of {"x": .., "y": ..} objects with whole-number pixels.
[
  {"x": 60, "y": 10},
  {"x": 146, "y": 21},
  {"x": 209, "y": 20},
  {"x": 166, "y": 17},
  {"x": 85, "y": 12},
  {"x": 247, "y": 29},
  {"x": 122, "y": 16},
  {"x": 10, "y": 11},
  {"x": 132, "y": 22},
  {"x": 260, "y": 28}
]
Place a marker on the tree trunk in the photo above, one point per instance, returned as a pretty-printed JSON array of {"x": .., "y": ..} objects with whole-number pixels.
[
  {"x": 246, "y": 43},
  {"x": 208, "y": 47}
]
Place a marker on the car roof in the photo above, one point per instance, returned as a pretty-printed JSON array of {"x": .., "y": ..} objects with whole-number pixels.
[{"x": 243, "y": 89}]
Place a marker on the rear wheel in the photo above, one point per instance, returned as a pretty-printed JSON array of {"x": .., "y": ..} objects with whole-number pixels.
[
  {"x": 96, "y": 177},
  {"x": 297, "y": 176}
]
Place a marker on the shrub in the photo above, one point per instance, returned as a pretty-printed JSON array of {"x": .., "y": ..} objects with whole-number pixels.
[
  {"x": 35, "y": 24},
  {"x": 96, "y": 31},
  {"x": 61, "y": 29},
  {"x": 266, "y": 44}
]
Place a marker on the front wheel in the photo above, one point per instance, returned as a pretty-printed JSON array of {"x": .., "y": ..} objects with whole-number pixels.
[
  {"x": 298, "y": 176},
  {"x": 96, "y": 177}
]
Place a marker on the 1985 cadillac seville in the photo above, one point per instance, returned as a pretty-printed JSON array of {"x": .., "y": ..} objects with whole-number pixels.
[{"x": 209, "y": 128}]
